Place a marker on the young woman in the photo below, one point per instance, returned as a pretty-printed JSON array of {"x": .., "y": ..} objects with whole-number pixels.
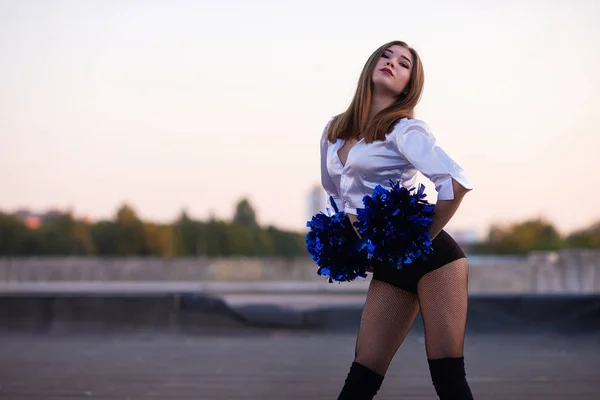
[{"x": 374, "y": 141}]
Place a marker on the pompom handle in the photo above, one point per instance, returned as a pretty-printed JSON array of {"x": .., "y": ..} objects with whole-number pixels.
[{"x": 332, "y": 202}]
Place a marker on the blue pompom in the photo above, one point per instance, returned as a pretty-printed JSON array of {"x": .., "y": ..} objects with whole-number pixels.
[
  {"x": 393, "y": 225},
  {"x": 333, "y": 245}
]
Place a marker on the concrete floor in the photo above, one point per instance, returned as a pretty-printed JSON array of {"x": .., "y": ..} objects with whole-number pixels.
[{"x": 281, "y": 365}]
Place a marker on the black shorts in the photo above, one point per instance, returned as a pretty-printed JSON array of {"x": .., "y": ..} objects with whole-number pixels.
[{"x": 445, "y": 250}]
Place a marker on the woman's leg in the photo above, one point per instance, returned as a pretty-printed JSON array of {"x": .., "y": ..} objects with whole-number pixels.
[
  {"x": 443, "y": 301},
  {"x": 388, "y": 314}
]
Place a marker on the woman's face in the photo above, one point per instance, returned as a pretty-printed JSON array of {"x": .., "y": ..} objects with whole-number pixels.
[{"x": 392, "y": 71}]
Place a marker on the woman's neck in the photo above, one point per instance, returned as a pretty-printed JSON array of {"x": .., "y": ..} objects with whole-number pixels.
[{"x": 378, "y": 103}]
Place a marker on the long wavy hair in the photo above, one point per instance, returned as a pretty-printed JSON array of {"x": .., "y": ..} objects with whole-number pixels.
[{"x": 353, "y": 122}]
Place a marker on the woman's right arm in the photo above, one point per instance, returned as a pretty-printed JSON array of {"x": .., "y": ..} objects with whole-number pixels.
[{"x": 326, "y": 181}]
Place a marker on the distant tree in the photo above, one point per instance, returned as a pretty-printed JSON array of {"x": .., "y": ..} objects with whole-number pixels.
[
  {"x": 288, "y": 244},
  {"x": 202, "y": 239},
  {"x": 159, "y": 240},
  {"x": 186, "y": 235},
  {"x": 104, "y": 234},
  {"x": 63, "y": 234},
  {"x": 130, "y": 233},
  {"x": 83, "y": 240},
  {"x": 127, "y": 235},
  {"x": 216, "y": 239},
  {"x": 520, "y": 238},
  {"x": 18, "y": 239},
  {"x": 587, "y": 238},
  {"x": 265, "y": 243},
  {"x": 242, "y": 240},
  {"x": 244, "y": 214}
]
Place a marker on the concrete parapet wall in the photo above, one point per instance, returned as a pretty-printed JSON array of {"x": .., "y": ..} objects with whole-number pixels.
[
  {"x": 567, "y": 271},
  {"x": 44, "y": 269}
]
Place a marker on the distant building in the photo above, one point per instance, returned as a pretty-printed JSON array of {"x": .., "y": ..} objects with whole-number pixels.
[
  {"x": 316, "y": 201},
  {"x": 34, "y": 220},
  {"x": 28, "y": 218}
]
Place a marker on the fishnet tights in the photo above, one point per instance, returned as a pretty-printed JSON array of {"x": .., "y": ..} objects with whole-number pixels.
[
  {"x": 443, "y": 301},
  {"x": 389, "y": 313}
]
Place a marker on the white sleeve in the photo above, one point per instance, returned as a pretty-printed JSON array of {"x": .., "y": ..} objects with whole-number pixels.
[
  {"x": 326, "y": 181},
  {"x": 420, "y": 148}
]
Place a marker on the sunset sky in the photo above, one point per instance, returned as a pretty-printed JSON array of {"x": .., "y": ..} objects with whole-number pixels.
[{"x": 195, "y": 104}]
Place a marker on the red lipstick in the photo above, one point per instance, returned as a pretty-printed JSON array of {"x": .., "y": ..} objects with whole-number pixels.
[{"x": 387, "y": 71}]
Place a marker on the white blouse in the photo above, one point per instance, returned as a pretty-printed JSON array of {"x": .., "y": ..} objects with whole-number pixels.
[{"x": 409, "y": 148}]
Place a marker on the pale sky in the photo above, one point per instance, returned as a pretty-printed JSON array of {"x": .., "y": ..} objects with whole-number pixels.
[{"x": 196, "y": 104}]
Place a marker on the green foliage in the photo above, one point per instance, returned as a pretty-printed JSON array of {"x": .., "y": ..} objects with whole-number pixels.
[
  {"x": 287, "y": 243},
  {"x": 244, "y": 214},
  {"x": 131, "y": 235},
  {"x": 128, "y": 235},
  {"x": 104, "y": 236},
  {"x": 588, "y": 238},
  {"x": 535, "y": 234},
  {"x": 186, "y": 236},
  {"x": 17, "y": 239},
  {"x": 62, "y": 234}
]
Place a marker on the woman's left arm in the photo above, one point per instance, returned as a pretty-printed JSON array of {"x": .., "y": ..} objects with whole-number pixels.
[
  {"x": 445, "y": 209},
  {"x": 420, "y": 148}
]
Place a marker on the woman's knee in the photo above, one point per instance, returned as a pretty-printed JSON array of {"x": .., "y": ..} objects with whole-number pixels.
[
  {"x": 445, "y": 351},
  {"x": 376, "y": 361}
]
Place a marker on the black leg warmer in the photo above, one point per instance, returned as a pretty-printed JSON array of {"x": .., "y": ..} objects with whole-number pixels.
[
  {"x": 361, "y": 383},
  {"x": 449, "y": 378}
]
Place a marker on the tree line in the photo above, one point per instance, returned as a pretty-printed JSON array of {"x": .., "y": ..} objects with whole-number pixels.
[
  {"x": 537, "y": 234},
  {"x": 127, "y": 235}
]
